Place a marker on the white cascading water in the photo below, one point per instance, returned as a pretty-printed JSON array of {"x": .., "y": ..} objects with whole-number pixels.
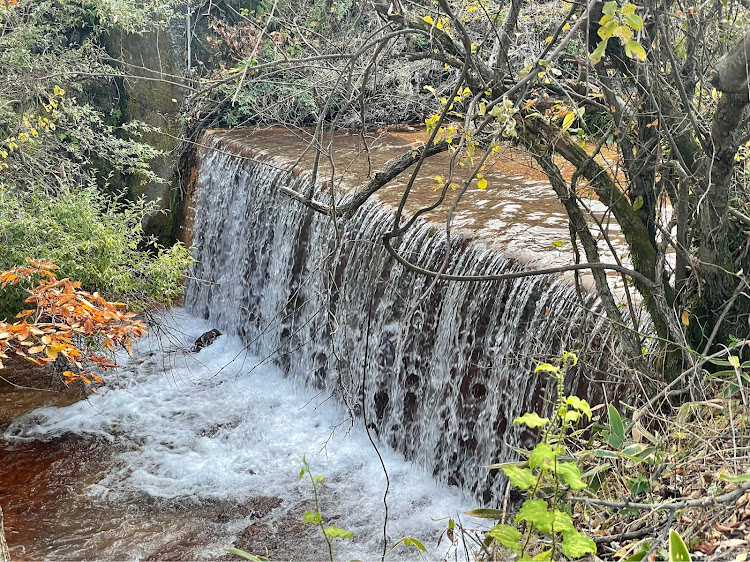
[
  {"x": 188, "y": 445},
  {"x": 442, "y": 386}
]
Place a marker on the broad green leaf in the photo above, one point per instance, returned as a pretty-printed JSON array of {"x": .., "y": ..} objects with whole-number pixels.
[
  {"x": 546, "y": 367},
  {"x": 562, "y": 522},
  {"x": 570, "y": 474},
  {"x": 638, "y": 203},
  {"x": 598, "y": 53},
  {"x": 334, "y": 532},
  {"x": 542, "y": 454},
  {"x": 740, "y": 478},
  {"x": 576, "y": 544},
  {"x": 532, "y": 420},
  {"x": 571, "y": 416},
  {"x": 507, "y": 536},
  {"x": 521, "y": 478},
  {"x": 537, "y": 513},
  {"x": 486, "y": 513},
  {"x": 678, "y": 552},
  {"x": 312, "y": 517},
  {"x": 634, "y": 50},
  {"x": 246, "y": 555},
  {"x": 609, "y": 8},
  {"x": 634, "y": 21},
  {"x": 606, "y": 31},
  {"x": 579, "y": 404},
  {"x": 616, "y": 435},
  {"x": 634, "y": 449},
  {"x": 603, "y": 454}
]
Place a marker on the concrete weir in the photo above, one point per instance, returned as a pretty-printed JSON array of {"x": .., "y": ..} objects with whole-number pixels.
[{"x": 326, "y": 302}]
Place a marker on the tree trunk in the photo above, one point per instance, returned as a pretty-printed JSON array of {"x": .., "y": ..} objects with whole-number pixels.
[{"x": 4, "y": 552}]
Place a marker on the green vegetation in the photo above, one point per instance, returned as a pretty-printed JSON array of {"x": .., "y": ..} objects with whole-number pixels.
[
  {"x": 59, "y": 147},
  {"x": 94, "y": 240}
]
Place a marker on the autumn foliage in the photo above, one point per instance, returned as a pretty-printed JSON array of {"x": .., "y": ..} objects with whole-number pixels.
[{"x": 66, "y": 323}]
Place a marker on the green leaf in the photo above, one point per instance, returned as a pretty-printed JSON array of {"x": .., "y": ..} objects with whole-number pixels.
[
  {"x": 609, "y": 8},
  {"x": 638, "y": 203},
  {"x": 334, "y": 532},
  {"x": 628, "y": 8},
  {"x": 571, "y": 416},
  {"x": 562, "y": 522},
  {"x": 606, "y": 31},
  {"x": 616, "y": 435},
  {"x": 485, "y": 513},
  {"x": 604, "y": 454},
  {"x": 634, "y": 50},
  {"x": 634, "y": 21},
  {"x": 598, "y": 53},
  {"x": 579, "y": 404},
  {"x": 532, "y": 420},
  {"x": 312, "y": 517},
  {"x": 546, "y": 367},
  {"x": 570, "y": 474},
  {"x": 542, "y": 454},
  {"x": 678, "y": 552},
  {"x": 246, "y": 555},
  {"x": 507, "y": 536},
  {"x": 740, "y": 478},
  {"x": 576, "y": 544},
  {"x": 416, "y": 543},
  {"x": 634, "y": 450},
  {"x": 537, "y": 513},
  {"x": 521, "y": 478}
]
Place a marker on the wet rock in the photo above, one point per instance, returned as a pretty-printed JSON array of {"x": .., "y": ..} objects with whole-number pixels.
[{"x": 206, "y": 339}]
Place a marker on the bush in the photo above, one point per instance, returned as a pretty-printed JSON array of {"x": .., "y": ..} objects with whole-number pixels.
[{"x": 94, "y": 240}]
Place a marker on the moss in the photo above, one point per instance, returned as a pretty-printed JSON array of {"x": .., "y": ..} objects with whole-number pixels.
[{"x": 155, "y": 102}]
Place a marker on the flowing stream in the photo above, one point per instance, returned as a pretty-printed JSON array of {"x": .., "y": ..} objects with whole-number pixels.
[{"x": 183, "y": 453}]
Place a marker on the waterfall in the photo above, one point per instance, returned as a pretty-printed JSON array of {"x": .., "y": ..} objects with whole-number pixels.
[{"x": 441, "y": 386}]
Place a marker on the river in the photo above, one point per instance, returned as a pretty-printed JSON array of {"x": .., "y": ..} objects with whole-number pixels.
[{"x": 181, "y": 454}]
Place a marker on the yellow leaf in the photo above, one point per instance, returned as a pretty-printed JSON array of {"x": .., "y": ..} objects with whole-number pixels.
[
  {"x": 685, "y": 318},
  {"x": 568, "y": 121},
  {"x": 51, "y": 353},
  {"x": 482, "y": 184}
]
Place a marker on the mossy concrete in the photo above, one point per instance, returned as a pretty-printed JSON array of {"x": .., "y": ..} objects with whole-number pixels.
[{"x": 153, "y": 94}]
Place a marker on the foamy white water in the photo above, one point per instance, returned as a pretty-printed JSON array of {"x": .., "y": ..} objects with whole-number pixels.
[{"x": 215, "y": 426}]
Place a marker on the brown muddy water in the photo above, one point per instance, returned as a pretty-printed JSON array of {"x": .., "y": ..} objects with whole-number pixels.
[{"x": 518, "y": 213}]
